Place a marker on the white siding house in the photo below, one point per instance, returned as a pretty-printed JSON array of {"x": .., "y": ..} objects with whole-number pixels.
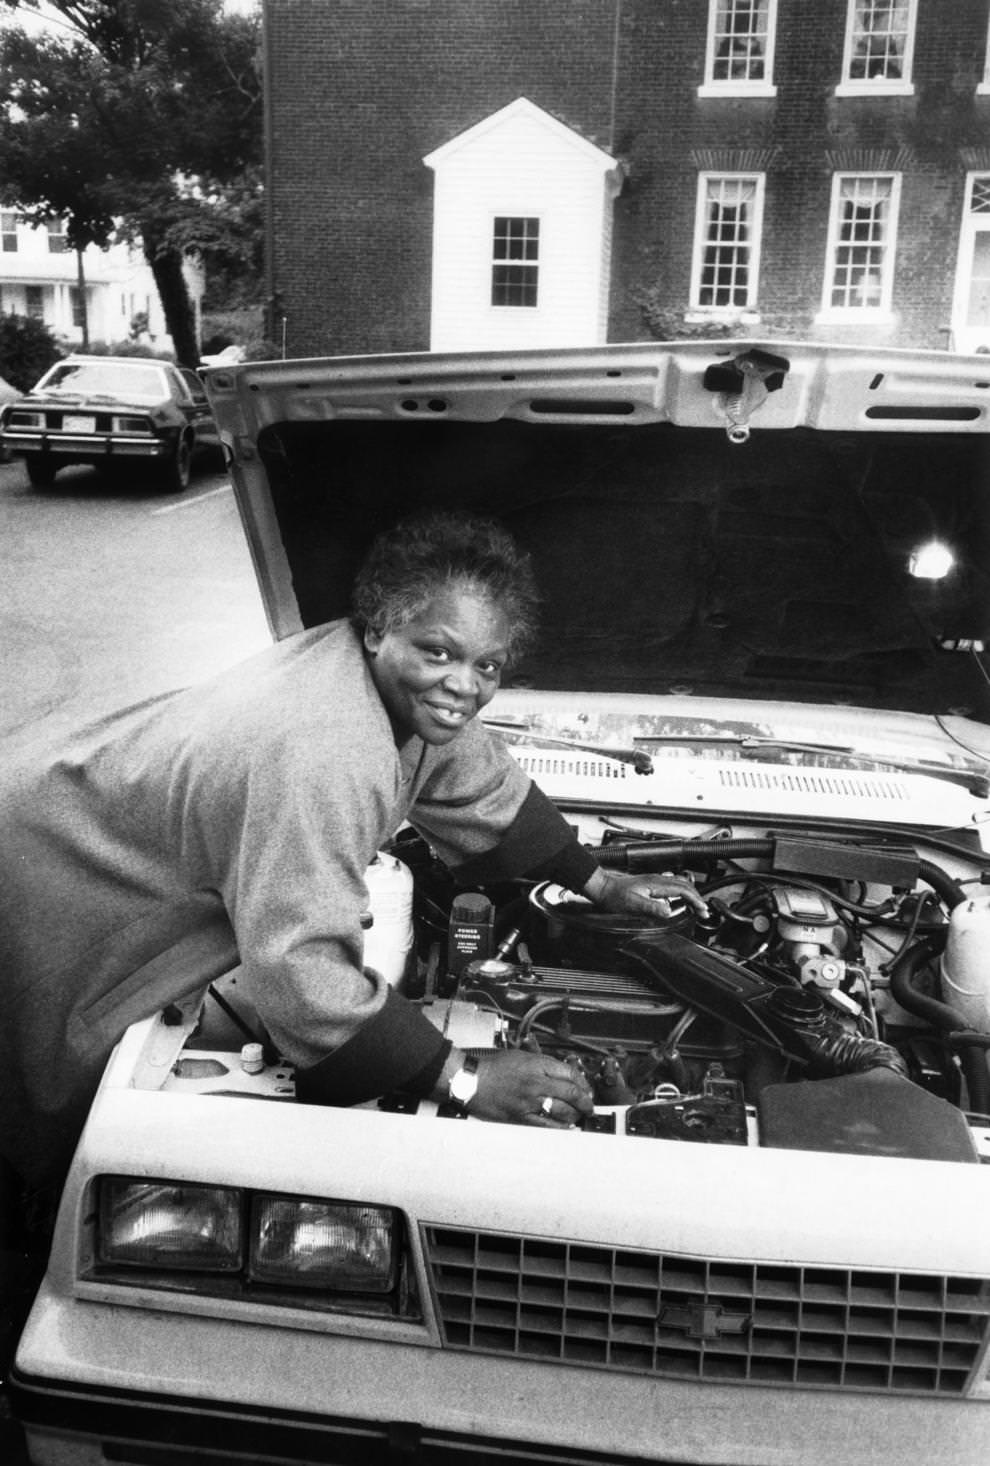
[
  {"x": 522, "y": 229},
  {"x": 39, "y": 278}
]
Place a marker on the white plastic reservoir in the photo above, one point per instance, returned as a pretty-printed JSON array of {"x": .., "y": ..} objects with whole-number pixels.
[
  {"x": 388, "y": 942},
  {"x": 966, "y": 962}
]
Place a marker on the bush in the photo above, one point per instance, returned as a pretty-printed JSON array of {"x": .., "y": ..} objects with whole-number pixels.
[
  {"x": 27, "y": 349},
  {"x": 230, "y": 328},
  {"x": 261, "y": 350},
  {"x": 125, "y": 348}
]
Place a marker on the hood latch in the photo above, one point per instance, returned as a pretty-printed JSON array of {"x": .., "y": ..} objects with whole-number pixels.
[{"x": 741, "y": 387}]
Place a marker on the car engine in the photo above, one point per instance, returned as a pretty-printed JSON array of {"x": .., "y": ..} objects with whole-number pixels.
[{"x": 826, "y": 973}]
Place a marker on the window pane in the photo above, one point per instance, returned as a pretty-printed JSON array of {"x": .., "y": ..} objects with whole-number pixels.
[
  {"x": 862, "y": 241},
  {"x": 879, "y": 41},
  {"x": 739, "y": 40},
  {"x": 978, "y": 304},
  {"x": 726, "y": 254},
  {"x": 515, "y": 256}
]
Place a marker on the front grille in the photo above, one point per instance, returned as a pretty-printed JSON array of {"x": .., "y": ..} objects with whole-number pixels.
[{"x": 691, "y": 1318}]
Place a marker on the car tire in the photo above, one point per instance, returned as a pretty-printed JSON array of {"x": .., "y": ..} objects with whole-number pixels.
[
  {"x": 40, "y": 470},
  {"x": 176, "y": 472}
]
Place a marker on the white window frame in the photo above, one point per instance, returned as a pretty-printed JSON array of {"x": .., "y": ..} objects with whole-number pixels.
[
  {"x": 975, "y": 221},
  {"x": 738, "y": 86},
  {"x": 983, "y": 89},
  {"x": 34, "y": 302},
  {"x": 853, "y": 314},
  {"x": 901, "y": 86},
  {"x": 56, "y": 231},
  {"x": 8, "y": 231},
  {"x": 523, "y": 262},
  {"x": 733, "y": 311}
]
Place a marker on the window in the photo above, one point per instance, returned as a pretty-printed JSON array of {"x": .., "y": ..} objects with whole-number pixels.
[
  {"x": 740, "y": 46},
  {"x": 727, "y": 237},
  {"x": 971, "y": 300},
  {"x": 35, "y": 302},
  {"x": 879, "y": 45},
  {"x": 8, "y": 232},
  {"x": 56, "y": 236},
  {"x": 515, "y": 261},
  {"x": 77, "y": 304},
  {"x": 859, "y": 273}
]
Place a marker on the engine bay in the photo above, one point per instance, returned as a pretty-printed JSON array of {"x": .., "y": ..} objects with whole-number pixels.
[
  {"x": 826, "y": 972},
  {"x": 836, "y": 996}
]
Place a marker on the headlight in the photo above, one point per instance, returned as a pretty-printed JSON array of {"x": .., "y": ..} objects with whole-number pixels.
[
  {"x": 311, "y": 1252},
  {"x": 323, "y": 1244},
  {"x": 170, "y": 1225}
]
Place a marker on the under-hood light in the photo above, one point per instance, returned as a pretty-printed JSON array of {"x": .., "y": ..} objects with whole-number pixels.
[{"x": 931, "y": 561}]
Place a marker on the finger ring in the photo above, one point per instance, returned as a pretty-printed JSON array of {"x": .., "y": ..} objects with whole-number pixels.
[{"x": 546, "y": 1105}]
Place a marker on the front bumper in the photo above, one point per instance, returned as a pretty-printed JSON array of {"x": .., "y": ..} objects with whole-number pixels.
[{"x": 173, "y": 1388}]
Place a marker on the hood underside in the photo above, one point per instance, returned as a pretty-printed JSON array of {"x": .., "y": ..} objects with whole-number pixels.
[{"x": 726, "y": 520}]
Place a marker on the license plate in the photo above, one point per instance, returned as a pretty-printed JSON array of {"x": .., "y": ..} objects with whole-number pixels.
[{"x": 76, "y": 423}]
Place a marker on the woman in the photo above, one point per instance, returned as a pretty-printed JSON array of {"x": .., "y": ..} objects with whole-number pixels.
[{"x": 234, "y": 821}]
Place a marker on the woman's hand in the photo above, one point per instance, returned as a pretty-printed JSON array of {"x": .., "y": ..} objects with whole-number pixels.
[
  {"x": 531, "y": 1089},
  {"x": 643, "y": 894}
]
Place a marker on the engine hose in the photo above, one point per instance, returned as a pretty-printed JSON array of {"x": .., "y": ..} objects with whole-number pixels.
[
  {"x": 942, "y": 1016},
  {"x": 660, "y": 855},
  {"x": 834, "y": 1050}
]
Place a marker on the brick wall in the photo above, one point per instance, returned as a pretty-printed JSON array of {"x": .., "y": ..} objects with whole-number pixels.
[{"x": 361, "y": 90}]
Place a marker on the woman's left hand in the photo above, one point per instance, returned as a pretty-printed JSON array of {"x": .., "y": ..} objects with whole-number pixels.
[{"x": 642, "y": 894}]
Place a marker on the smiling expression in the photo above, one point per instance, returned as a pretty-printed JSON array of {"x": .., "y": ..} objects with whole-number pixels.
[{"x": 438, "y": 670}]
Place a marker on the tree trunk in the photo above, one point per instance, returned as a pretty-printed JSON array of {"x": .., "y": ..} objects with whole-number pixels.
[
  {"x": 166, "y": 266},
  {"x": 83, "y": 306}
]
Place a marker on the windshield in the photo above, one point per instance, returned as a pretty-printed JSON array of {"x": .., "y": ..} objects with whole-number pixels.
[{"x": 105, "y": 379}]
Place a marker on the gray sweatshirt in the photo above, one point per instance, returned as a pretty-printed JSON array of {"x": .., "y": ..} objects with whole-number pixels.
[{"x": 233, "y": 821}]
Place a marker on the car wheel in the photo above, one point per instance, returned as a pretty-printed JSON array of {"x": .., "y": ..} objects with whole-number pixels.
[
  {"x": 176, "y": 471},
  {"x": 40, "y": 470}
]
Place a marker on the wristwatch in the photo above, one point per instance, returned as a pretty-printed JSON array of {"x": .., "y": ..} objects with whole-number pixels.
[{"x": 464, "y": 1083}]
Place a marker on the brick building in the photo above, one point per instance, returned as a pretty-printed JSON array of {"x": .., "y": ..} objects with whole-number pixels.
[{"x": 455, "y": 173}]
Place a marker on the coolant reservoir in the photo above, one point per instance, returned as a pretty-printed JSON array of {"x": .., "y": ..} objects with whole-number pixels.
[
  {"x": 388, "y": 942},
  {"x": 966, "y": 962}
]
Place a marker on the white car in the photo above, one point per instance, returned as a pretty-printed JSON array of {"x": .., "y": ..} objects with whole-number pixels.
[{"x": 766, "y": 570}]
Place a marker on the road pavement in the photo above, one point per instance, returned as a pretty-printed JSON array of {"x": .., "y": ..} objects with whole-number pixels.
[{"x": 109, "y": 594}]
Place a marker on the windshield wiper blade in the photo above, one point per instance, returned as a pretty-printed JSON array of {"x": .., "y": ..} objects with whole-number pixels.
[
  {"x": 975, "y": 783},
  {"x": 638, "y": 757}
]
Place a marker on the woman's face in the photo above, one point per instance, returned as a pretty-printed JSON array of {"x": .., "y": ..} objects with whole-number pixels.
[{"x": 438, "y": 670}]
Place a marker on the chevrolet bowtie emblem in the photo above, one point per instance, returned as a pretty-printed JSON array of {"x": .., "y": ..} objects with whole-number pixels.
[{"x": 702, "y": 1320}]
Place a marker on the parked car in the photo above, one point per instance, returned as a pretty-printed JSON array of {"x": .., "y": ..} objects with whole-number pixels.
[
  {"x": 763, "y": 668},
  {"x": 7, "y": 394},
  {"x": 111, "y": 411}
]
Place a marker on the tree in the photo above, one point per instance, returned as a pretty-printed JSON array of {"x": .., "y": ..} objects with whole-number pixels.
[{"x": 138, "y": 122}]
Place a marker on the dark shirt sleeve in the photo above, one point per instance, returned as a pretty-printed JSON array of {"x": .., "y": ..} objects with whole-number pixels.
[
  {"x": 539, "y": 843},
  {"x": 396, "y": 1049}
]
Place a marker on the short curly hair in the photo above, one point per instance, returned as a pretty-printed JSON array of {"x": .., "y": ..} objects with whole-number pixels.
[{"x": 410, "y": 563}]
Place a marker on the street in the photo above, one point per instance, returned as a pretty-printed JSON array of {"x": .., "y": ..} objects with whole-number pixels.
[{"x": 110, "y": 593}]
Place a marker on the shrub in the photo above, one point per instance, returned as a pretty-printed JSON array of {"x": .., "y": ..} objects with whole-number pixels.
[
  {"x": 27, "y": 349},
  {"x": 126, "y": 348}
]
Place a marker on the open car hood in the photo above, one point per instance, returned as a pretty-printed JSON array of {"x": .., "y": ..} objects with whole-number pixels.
[{"x": 708, "y": 519}]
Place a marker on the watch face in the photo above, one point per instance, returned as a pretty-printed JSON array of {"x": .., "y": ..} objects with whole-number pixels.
[{"x": 463, "y": 1086}]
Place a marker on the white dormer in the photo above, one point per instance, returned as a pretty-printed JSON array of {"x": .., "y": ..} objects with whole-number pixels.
[{"x": 522, "y": 234}]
